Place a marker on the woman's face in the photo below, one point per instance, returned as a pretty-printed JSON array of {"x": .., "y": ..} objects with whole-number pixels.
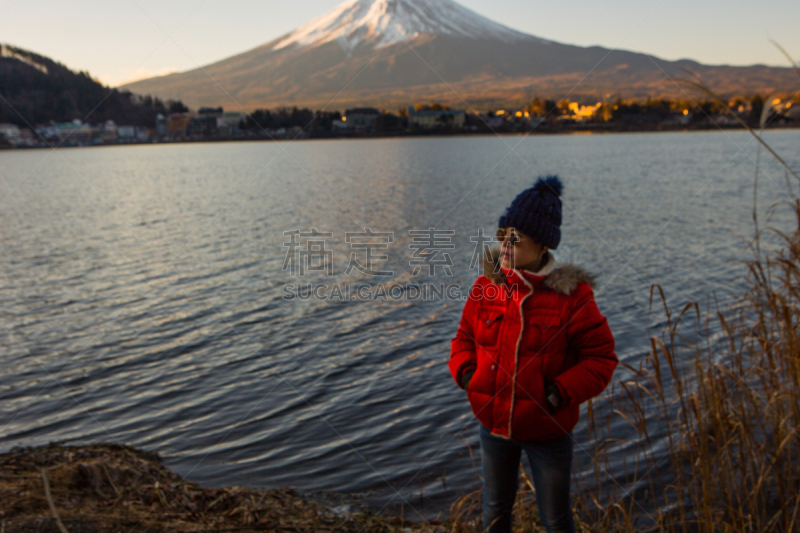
[{"x": 519, "y": 250}]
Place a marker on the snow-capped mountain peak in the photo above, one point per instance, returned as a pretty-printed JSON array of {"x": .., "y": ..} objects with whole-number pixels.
[{"x": 385, "y": 22}]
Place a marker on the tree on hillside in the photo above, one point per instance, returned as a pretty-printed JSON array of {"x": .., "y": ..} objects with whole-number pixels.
[
  {"x": 178, "y": 107},
  {"x": 542, "y": 108},
  {"x": 39, "y": 91},
  {"x": 756, "y": 107}
]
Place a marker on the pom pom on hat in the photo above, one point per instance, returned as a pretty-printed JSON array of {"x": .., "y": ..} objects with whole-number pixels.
[
  {"x": 549, "y": 184},
  {"x": 536, "y": 212}
]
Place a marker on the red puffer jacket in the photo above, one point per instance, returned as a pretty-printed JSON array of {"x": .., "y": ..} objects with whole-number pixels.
[{"x": 520, "y": 332}]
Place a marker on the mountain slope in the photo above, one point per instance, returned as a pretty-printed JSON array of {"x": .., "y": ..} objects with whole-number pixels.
[
  {"x": 391, "y": 53},
  {"x": 36, "y": 90}
]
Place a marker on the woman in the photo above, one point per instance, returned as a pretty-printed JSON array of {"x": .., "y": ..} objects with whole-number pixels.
[{"x": 530, "y": 348}]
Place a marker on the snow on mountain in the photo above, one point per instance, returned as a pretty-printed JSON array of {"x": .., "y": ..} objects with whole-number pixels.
[{"x": 385, "y": 22}]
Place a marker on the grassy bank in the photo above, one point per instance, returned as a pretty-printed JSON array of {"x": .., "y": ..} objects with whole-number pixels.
[{"x": 110, "y": 488}]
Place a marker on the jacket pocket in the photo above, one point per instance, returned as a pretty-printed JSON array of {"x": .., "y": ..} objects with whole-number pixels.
[
  {"x": 481, "y": 389},
  {"x": 540, "y": 336},
  {"x": 487, "y": 330},
  {"x": 546, "y": 323},
  {"x": 544, "y": 335}
]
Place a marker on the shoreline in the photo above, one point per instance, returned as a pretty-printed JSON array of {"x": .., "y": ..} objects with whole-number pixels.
[
  {"x": 410, "y": 135},
  {"x": 113, "y": 487}
]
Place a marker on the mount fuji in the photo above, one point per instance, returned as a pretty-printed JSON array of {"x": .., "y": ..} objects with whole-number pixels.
[
  {"x": 392, "y": 53},
  {"x": 385, "y": 22}
]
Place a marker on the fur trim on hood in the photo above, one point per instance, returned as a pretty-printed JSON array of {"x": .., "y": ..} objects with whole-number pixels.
[{"x": 560, "y": 278}]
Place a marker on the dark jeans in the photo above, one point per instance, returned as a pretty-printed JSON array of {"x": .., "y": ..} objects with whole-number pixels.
[{"x": 551, "y": 463}]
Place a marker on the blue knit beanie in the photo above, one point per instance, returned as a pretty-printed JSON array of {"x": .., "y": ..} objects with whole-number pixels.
[{"x": 536, "y": 212}]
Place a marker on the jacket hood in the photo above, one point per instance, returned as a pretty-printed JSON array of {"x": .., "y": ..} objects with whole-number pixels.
[{"x": 559, "y": 278}]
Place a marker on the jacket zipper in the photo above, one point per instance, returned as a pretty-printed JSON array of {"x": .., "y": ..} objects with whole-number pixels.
[{"x": 516, "y": 354}]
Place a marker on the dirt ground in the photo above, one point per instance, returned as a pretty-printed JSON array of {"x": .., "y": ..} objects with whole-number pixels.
[{"x": 112, "y": 488}]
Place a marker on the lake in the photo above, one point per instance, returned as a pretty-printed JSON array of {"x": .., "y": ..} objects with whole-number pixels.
[{"x": 193, "y": 299}]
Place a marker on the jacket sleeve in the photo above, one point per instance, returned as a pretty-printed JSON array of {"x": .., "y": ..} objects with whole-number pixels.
[
  {"x": 590, "y": 339},
  {"x": 462, "y": 348}
]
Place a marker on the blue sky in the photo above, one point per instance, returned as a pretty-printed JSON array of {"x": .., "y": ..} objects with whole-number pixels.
[{"x": 127, "y": 39}]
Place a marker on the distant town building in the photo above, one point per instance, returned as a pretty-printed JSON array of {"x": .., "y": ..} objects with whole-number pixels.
[
  {"x": 228, "y": 123},
  {"x": 177, "y": 124},
  {"x": 436, "y": 118},
  {"x": 74, "y": 133},
  {"x": 683, "y": 118},
  {"x": 107, "y": 132},
  {"x": 358, "y": 119},
  {"x": 207, "y": 122},
  {"x": 493, "y": 122},
  {"x": 126, "y": 133},
  {"x": 161, "y": 125},
  {"x": 49, "y": 132},
  {"x": 723, "y": 119},
  {"x": 202, "y": 126},
  {"x": 27, "y": 138},
  {"x": 11, "y": 133},
  {"x": 582, "y": 113},
  {"x": 210, "y": 112}
]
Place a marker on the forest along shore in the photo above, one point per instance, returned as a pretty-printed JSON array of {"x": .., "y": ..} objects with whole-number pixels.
[{"x": 106, "y": 488}]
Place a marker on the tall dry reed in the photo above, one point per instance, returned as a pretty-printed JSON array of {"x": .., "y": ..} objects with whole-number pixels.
[
  {"x": 728, "y": 408},
  {"x": 721, "y": 389}
]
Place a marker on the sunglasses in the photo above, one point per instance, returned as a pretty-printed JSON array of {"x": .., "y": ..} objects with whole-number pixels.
[{"x": 513, "y": 237}]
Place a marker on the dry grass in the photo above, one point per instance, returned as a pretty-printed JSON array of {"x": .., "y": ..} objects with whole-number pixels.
[
  {"x": 729, "y": 406},
  {"x": 117, "y": 488}
]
